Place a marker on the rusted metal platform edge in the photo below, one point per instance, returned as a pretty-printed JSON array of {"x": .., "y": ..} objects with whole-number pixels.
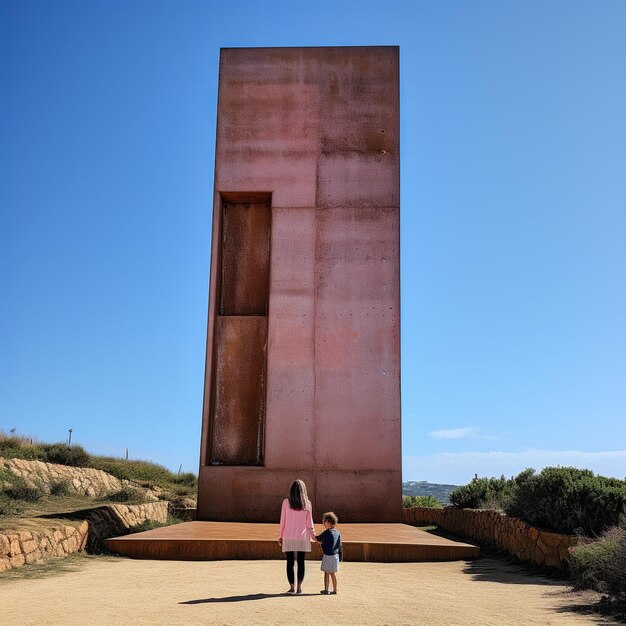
[{"x": 240, "y": 549}]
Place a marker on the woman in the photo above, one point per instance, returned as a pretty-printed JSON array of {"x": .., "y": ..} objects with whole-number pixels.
[{"x": 296, "y": 531}]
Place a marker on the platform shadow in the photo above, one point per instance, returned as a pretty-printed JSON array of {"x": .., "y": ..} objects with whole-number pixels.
[
  {"x": 499, "y": 570},
  {"x": 251, "y": 596}
]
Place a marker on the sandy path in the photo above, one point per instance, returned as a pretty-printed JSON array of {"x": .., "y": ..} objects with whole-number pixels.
[{"x": 484, "y": 592}]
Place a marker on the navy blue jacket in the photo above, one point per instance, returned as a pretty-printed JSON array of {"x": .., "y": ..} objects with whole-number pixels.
[{"x": 331, "y": 542}]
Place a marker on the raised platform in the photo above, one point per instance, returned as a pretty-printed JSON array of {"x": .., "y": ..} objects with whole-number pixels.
[{"x": 206, "y": 541}]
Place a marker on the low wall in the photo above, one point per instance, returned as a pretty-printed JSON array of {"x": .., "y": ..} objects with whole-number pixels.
[
  {"x": 494, "y": 529},
  {"x": 114, "y": 520},
  {"x": 188, "y": 514},
  {"x": 85, "y": 529},
  {"x": 36, "y": 545}
]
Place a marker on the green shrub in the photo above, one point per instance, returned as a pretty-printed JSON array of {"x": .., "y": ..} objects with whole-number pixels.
[
  {"x": 188, "y": 479},
  {"x": 63, "y": 455},
  {"x": 59, "y": 488},
  {"x": 152, "y": 524},
  {"x": 568, "y": 500},
  {"x": 126, "y": 494},
  {"x": 601, "y": 565},
  {"x": 146, "y": 525},
  {"x": 13, "y": 487},
  {"x": 16, "y": 447},
  {"x": 20, "y": 448},
  {"x": 563, "y": 499},
  {"x": 142, "y": 471},
  {"x": 19, "y": 490},
  {"x": 409, "y": 502},
  {"x": 8, "y": 506},
  {"x": 482, "y": 493}
]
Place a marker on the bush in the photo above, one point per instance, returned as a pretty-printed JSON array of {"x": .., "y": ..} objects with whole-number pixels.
[
  {"x": 568, "y": 500},
  {"x": 188, "y": 479},
  {"x": 563, "y": 499},
  {"x": 59, "y": 488},
  {"x": 9, "y": 506},
  {"x": 19, "y": 447},
  {"x": 409, "y": 502},
  {"x": 16, "y": 447},
  {"x": 19, "y": 490},
  {"x": 142, "y": 471},
  {"x": 601, "y": 565},
  {"x": 152, "y": 524},
  {"x": 63, "y": 455},
  {"x": 482, "y": 493},
  {"x": 13, "y": 487},
  {"x": 126, "y": 494}
]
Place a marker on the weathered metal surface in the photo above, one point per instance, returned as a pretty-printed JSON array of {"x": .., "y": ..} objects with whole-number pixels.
[
  {"x": 318, "y": 128},
  {"x": 198, "y": 541},
  {"x": 245, "y": 258},
  {"x": 239, "y": 403}
]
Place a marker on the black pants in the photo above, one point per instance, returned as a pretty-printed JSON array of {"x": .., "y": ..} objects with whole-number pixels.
[{"x": 290, "y": 562}]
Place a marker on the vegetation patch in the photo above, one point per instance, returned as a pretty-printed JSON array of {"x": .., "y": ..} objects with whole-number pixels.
[
  {"x": 409, "y": 502},
  {"x": 482, "y": 493},
  {"x": 59, "y": 488},
  {"x": 8, "y": 507},
  {"x": 601, "y": 565},
  {"x": 150, "y": 474},
  {"x": 564, "y": 499},
  {"x": 125, "y": 495},
  {"x": 14, "y": 487},
  {"x": 152, "y": 524},
  {"x": 16, "y": 447}
]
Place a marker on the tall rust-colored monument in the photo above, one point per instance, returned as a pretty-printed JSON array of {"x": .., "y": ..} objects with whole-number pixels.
[{"x": 303, "y": 349}]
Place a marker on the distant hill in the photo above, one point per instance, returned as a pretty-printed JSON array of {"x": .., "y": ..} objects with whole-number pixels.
[{"x": 422, "y": 488}]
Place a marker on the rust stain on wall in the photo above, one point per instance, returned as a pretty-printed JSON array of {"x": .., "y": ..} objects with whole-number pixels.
[{"x": 239, "y": 405}]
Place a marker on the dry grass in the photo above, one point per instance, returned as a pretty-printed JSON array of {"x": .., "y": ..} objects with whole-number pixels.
[
  {"x": 29, "y": 515},
  {"x": 52, "y": 567}
]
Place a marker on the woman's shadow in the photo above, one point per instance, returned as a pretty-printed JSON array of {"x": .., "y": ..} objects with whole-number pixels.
[{"x": 251, "y": 596}]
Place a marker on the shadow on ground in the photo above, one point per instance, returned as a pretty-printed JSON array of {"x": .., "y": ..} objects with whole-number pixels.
[
  {"x": 499, "y": 570},
  {"x": 588, "y": 603},
  {"x": 251, "y": 596},
  {"x": 603, "y": 610}
]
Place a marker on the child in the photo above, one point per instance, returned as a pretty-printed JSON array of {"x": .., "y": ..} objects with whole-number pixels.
[{"x": 333, "y": 551}]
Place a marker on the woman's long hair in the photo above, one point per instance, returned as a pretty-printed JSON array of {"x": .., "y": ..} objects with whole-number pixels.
[{"x": 298, "y": 498}]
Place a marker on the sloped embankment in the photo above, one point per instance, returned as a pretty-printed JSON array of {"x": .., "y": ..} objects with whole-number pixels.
[
  {"x": 44, "y": 530},
  {"x": 84, "y": 481}
]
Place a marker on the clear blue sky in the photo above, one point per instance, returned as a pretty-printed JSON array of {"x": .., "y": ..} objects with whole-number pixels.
[{"x": 513, "y": 221}]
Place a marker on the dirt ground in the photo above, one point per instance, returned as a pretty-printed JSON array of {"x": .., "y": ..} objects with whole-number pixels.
[{"x": 122, "y": 591}]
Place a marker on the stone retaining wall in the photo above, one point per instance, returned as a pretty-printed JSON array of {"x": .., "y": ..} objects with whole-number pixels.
[
  {"x": 188, "y": 514},
  {"x": 85, "y": 481},
  {"x": 494, "y": 529},
  {"x": 88, "y": 531},
  {"x": 114, "y": 520},
  {"x": 35, "y": 546}
]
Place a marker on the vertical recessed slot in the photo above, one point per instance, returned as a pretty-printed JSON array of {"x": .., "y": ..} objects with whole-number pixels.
[
  {"x": 240, "y": 348},
  {"x": 245, "y": 258}
]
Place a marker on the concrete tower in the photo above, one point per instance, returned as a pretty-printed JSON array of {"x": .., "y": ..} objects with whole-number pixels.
[{"x": 303, "y": 347}]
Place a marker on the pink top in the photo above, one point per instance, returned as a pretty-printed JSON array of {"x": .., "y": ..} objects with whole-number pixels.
[{"x": 296, "y": 525}]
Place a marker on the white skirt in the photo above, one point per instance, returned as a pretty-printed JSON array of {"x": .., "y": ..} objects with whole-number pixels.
[
  {"x": 330, "y": 563},
  {"x": 296, "y": 545}
]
